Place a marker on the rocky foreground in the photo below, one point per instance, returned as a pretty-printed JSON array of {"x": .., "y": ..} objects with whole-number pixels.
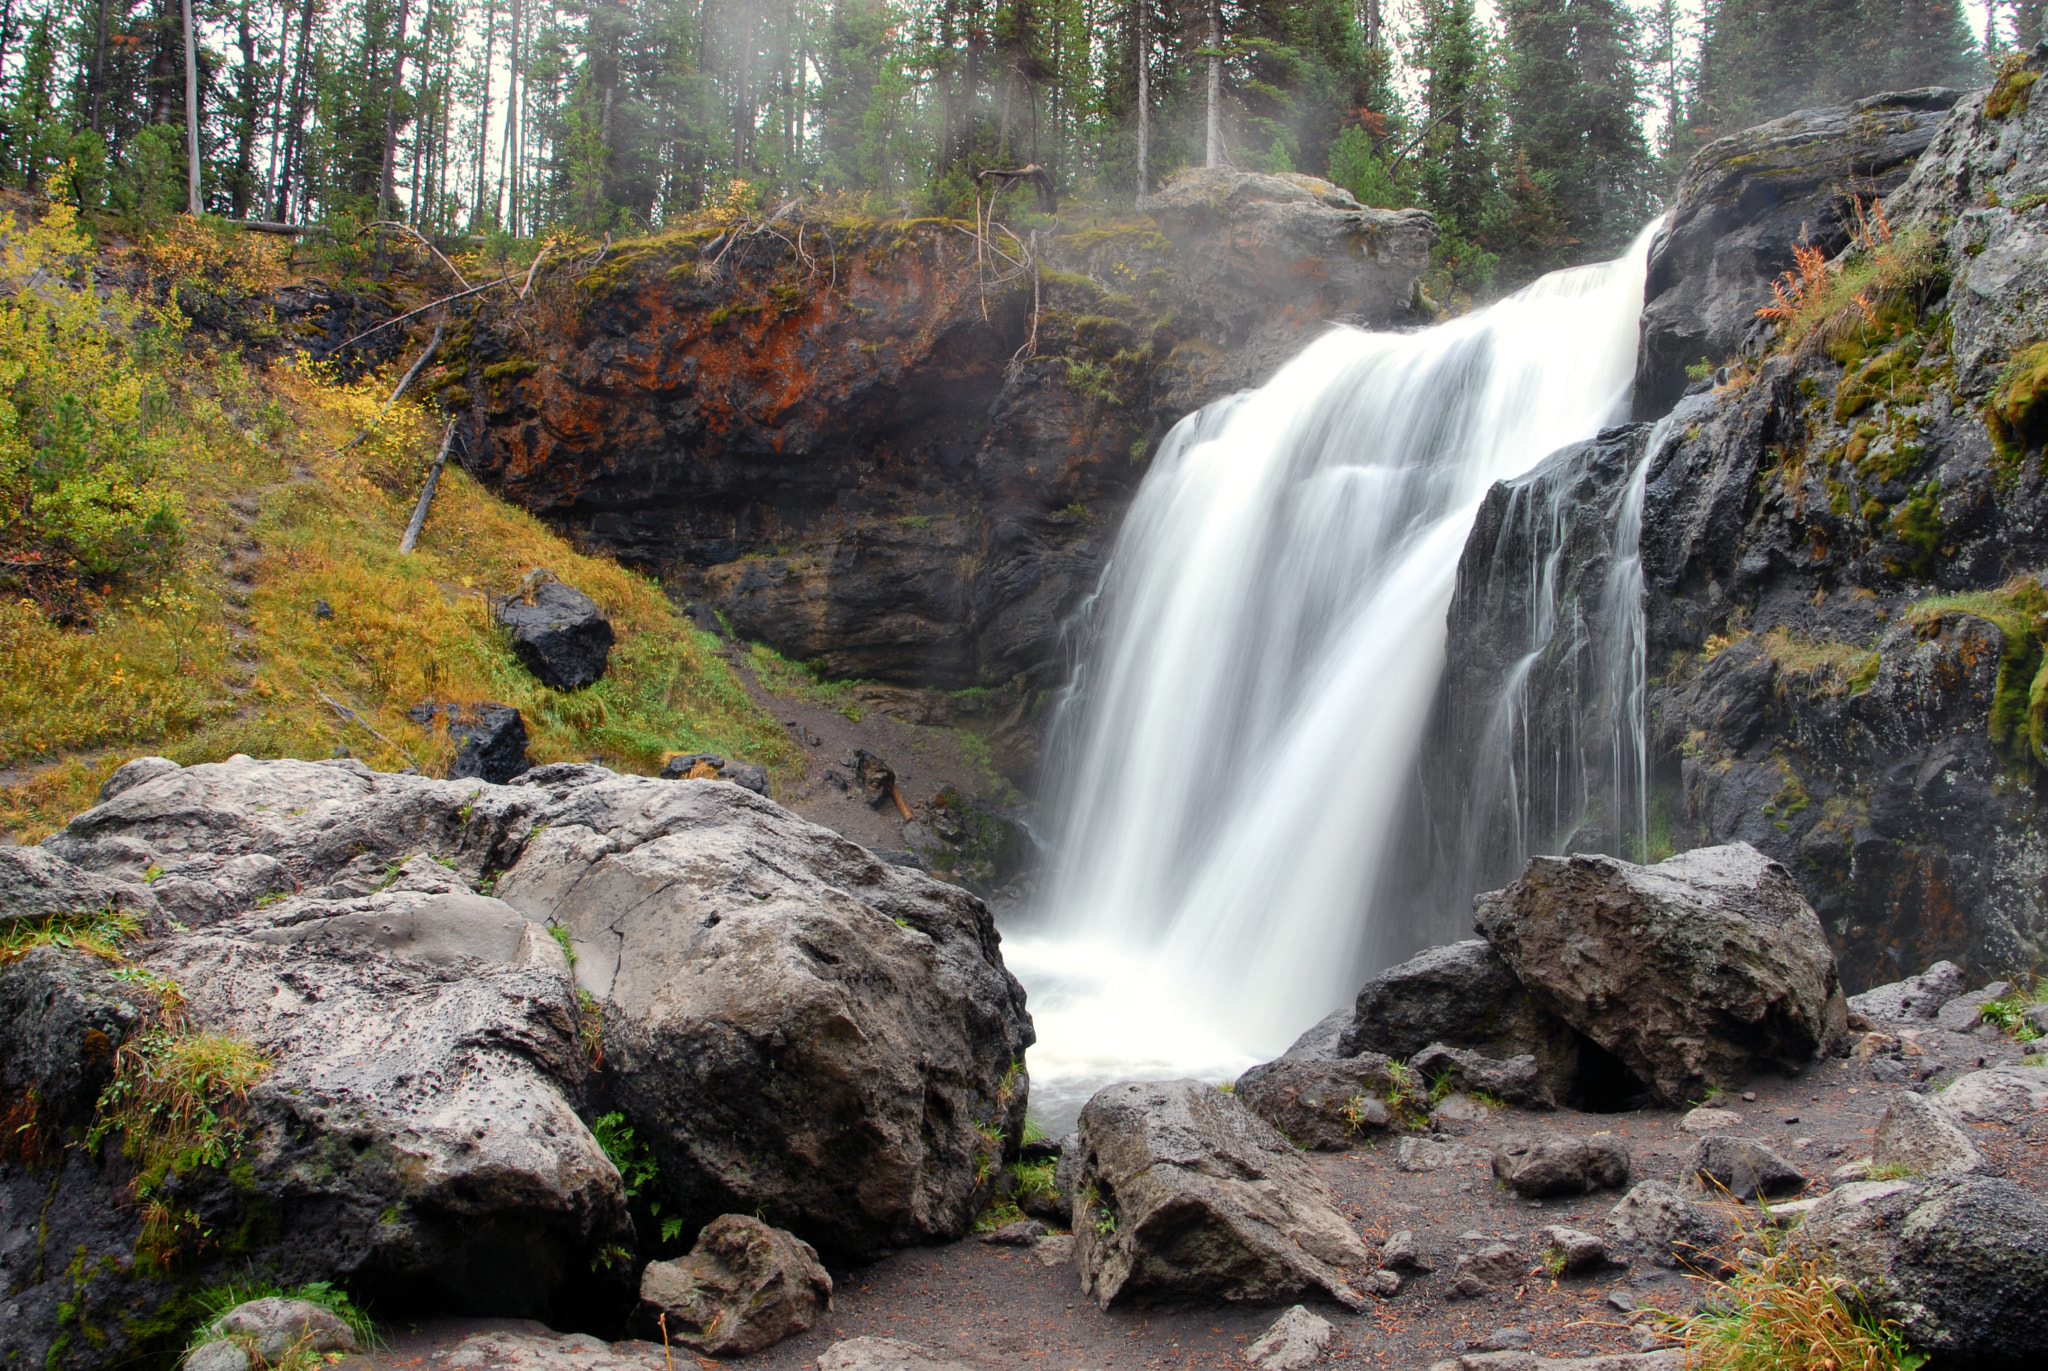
[{"x": 623, "y": 1058}]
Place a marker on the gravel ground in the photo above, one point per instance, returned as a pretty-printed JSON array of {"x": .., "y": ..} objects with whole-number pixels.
[{"x": 1000, "y": 1307}]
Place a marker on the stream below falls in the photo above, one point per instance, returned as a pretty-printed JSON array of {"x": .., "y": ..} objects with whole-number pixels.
[{"x": 1255, "y": 672}]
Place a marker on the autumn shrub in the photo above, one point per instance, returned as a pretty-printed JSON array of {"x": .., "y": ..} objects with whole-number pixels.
[{"x": 88, "y": 473}]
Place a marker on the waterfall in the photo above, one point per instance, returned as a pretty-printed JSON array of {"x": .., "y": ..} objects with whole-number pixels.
[{"x": 1256, "y": 670}]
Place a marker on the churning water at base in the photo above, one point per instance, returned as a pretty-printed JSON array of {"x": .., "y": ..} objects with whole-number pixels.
[{"x": 1256, "y": 671}]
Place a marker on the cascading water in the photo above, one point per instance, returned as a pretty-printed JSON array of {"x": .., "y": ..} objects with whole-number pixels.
[{"x": 1256, "y": 671}]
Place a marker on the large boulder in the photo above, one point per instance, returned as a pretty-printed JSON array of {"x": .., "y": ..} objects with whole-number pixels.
[
  {"x": 1744, "y": 203},
  {"x": 1550, "y": 1164},
  {"x": 1695, "y": 972},
  {"x": 1663, "y": 1225},
  {"x": 1958, "y": 1263},
  {"x": 1742, "y": 1168},
  {"x": 743, "y": 1287},
  {"x": 490, "y": 742},
  {"x": 1920, "y": 1138},
  {"x": 801, "y": 1030},
  {"x": 1185, "y": 1194},
  {"x": 424, "y": 1057},
  {"x": 1913, "y": 999},
  {"x": 558, "y": 633},
  {"x": 1247, "y": 239},
  {"x": 1325, "y": 1106},
  {"x": 1466, "y": 996}
]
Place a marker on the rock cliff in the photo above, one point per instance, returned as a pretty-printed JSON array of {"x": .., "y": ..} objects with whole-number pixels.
[
  {"x": 1840, "y": 553},
  {"x": 895, "y": 448}
]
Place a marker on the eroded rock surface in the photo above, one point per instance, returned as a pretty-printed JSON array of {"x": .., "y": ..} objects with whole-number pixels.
[
  {"x": 1184, "y": 1194},
  {"x": 743, "y": 1287},
  {"x": 1694, "y": 972}
]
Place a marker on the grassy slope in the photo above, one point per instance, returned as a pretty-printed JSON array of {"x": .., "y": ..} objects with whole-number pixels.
[{"x": 226, "y": 655}]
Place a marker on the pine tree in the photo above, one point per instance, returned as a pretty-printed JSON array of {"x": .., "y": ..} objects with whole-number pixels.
[{"x": 1572, "y": 106}]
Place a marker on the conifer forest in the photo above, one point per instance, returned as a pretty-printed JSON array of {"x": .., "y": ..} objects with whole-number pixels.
[{"x": 1538, "y": 131}]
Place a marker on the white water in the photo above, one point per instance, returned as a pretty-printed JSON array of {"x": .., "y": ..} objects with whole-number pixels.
[{"x": 1256, "y": 670}]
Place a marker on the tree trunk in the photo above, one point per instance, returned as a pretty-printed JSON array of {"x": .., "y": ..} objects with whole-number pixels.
[
  {"x": 387, "y": 188},
  {"x": 1144, "y": 105},
  {"x": 294, "y": 135},
  {"x": 483, "y": 119},
  {"x": 191, "y": 114},
  {"x": 1214, "y": 155},
  {"x": 247, "y": 81},
  {"x": 99, "y": 61}
]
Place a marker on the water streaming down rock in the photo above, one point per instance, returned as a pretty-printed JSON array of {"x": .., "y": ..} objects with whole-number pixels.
[{"x": 1257, "y": 671}]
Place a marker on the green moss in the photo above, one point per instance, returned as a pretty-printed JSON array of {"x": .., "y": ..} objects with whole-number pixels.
[
  {"x": 2011, "y": 95},
  {"x": 1887, "y": 376},
  {"x": 2019, "y": 703},
  {"x": 736, "y": 310},
  {"x": 510, "y": 369},
  {"x": 2016, "y": 414},
  {"x": 1917, "y": 524}
]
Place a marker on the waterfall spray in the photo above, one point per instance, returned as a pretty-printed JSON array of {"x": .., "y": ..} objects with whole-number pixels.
[{"x": 1257, "y": 669}]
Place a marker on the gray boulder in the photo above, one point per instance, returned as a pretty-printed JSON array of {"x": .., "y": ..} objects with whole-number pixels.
[
  {"x": 743, "y": 1287},
  {"x": 35, "y": 884},
  {"x": 774, "y": 995},
  {"x": 219, "y": 1355},
  {"x": 1915, "y": 998},
  {"x": 1574, "y": 1252},
  {"x": 1186, "y": 1195},
  {"x": 1516, "y": 1080},
  {"x": 1746, "y": 201},
  {"x": 2002, "y": 1094},
  {"x": 1966, "y": 1011},
  {"x": 704, "y": 766},
  {"x": 1959, "y": 1263},
  {"x": 1325, "y": 1106},
  {"x": 275, "y": 1325},
  {"x": 1920, "y": 1137},
  {"x": 1666, "y": 1227},
  {"x": 559, "y": 633},
  {"x": 1462, "y": 996},
  {"x": 1294, "y": 1340},
  {"x": 1743, "y": 1168},
  {"x": 1551, "y": 1164},
  {"x": 1695, "y": 972}
]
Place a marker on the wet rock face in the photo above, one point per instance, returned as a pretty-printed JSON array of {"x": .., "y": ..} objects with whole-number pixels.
[
  {"x": 1745, "y": 202},
  {"x": 885, "y": 454}
]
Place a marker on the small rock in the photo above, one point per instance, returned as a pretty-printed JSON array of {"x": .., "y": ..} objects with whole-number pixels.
[
  {"x": 490, "y": 742},
  {"x": 1496, "y": 1264},
  {"x": 877, "y": 781},
  {"x": 1621, "y": 1301},
  {"x": 1296, "y": 1339},
  {"x": 1383, "y": 1283},
  {"x": 278, "y": 1324},
  {"x": 2037, "y": 1019},
  {"x": 1921, "y": 1138},
  {"x": 1743, "y": 1167},
  {"x": 1458, "y": 1114},
  {"x": 1851, "y": 1172},
  {"x": 322, "y": 610},
  {"x": 882, "y": 1354},
  {"x": 1467, "y": 1287},
  {"x": 1056, "y": 1250},
  {"x": 1399, "y": 1253},
  {"x": 1426, "y": 1154},
  {"x": 1916, "y": 997},
  {"x": 1706, "y": 1119},
  {"x": 744, "y": 1286},
  {"x": 1507, "y": 1340},
  {"x": 559, "y": 633},
  {"x": 1578, "y": 1252},
  {"x": 1669, "y": 1228},
  {"x": 219, "y": 1355},
  {"x": 1023, "y": 1233},
  {"x": 1561, "y": 1164}
]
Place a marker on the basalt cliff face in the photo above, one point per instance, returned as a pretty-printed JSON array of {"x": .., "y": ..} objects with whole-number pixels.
[
  {"x": 1842, "y": 541},
  {"x": 896, "y": 448}
]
